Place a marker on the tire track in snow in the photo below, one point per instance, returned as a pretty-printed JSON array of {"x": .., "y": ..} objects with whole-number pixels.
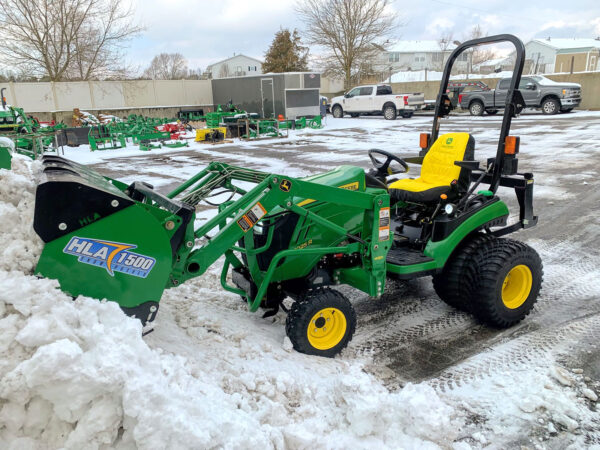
[{"x": 532, "y": 349}]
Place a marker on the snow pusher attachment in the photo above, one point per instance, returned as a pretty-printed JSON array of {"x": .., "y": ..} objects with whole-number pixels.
[
  {"x": 284, "y": 237},
  {"x": 105, "y": 239}
]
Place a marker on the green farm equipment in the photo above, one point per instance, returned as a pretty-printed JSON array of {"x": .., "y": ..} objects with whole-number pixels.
[
  {"x": 298, "y": 237},
  {"x": 101, "y": 137},
  {"x": 7, "y": 148},
  {"x": 14, "y": 120}
]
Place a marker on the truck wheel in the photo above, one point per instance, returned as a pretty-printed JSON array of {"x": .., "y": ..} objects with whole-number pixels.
[
  {"x": 337, "y": 112},
  {"x": 550, "y": 106},
  {"x": 407, "y": 115},
  {"x": 321, "y": 323},
  {"x": 507, "y": 282},
  {"x": 390, "y": 113},
  {"x": 452, "y": 285},
  {"x": 476, "y": 108},
  {"x": 491, "y": 112}
]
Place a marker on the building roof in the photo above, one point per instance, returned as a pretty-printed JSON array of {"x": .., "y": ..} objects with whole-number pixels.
[
  {"x": 233, "y": 57},
  {"x": 574, "y": 44},
  {"x": 418, "y": 47}
]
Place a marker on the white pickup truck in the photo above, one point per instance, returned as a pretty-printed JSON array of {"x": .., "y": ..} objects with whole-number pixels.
[{"x": 376, "y": 100}]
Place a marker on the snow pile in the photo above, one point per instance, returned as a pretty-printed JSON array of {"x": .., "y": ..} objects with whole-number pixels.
[
  {"x": 78, "y": 374},
  {"x": 20, "y": 246}
]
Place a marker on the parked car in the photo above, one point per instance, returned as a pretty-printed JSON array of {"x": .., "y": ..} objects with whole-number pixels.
[
  {"x": 376, "y": 100},
  {"x": 538, "y": 91}
]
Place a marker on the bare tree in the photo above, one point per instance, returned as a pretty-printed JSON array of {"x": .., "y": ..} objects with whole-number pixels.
[
  {"x": 65, "y": 39},
  {"x": 444, "y": 42},
  {"x": 167, "y": 66},
  {"x": 347, "y": 30},
  {"x": 480, "y": 54},
  {"x": 224, "y": 71}
]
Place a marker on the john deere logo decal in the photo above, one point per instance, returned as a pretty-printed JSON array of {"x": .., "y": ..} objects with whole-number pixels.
[
  {"x": 113, "y": 256},
  {"x": 449, "y": 141},
  {"x": 285, "y": 185}
]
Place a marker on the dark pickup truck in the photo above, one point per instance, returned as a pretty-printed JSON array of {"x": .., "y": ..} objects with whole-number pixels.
[{"x": 538, "y": 91}]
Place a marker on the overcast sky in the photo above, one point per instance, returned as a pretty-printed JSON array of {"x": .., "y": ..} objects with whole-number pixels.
[{"x": 206, "y": 31}]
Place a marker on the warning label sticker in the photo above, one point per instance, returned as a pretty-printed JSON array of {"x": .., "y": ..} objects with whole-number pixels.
[
  {"x": 384, "y": 234},
  {"x": 384, "y": 224},
  {"x": 253, "y": 215}
]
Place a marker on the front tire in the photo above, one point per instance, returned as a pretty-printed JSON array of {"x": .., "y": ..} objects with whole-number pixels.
[
  {"x": 507, "y": 282},
  {"x": 321, "y": 323},
  {"x": 476, "y": 108},
  {"x": 337, "y": 112},
  {"x": 550, "y": 106},
  {"x": 390, "y": 113}
]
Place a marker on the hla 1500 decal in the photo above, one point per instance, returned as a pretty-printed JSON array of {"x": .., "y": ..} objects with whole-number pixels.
[{"x": 113, "y": 256}]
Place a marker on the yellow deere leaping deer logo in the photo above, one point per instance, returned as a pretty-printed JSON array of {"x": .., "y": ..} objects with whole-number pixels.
[{"x": 285, "y": 185}]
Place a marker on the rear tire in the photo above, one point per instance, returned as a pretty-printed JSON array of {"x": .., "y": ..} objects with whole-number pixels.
[
  {"x": 337, "y": 112},
  {"x": 321, "y": 323},
  {"x": 566, "y": 110},
  {"x": 476, "y": 108},
  {"x": 390, "y": 113},
  {"x": 506, "y": 283},
  {"x": 550, "y": 106},
  {"x": 452, "y": 285}
]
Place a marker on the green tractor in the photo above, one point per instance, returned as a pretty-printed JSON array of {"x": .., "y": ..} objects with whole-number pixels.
[
  {"x": 299, "y": 238},
  {"x": 14, "y": 120}
]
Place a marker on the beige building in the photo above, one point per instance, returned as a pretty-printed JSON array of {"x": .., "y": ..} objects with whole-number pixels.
[{"x": 584, "y": 59}]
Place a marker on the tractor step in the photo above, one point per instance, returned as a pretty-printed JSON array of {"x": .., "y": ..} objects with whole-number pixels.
[{"x": 402, "y": 256}]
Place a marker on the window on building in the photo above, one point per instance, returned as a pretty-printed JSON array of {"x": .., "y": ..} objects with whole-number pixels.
[
  {"x": 393, "y": 57},
  {"x": 437, "y": 57},
  {"x": 592, "y": 63}
]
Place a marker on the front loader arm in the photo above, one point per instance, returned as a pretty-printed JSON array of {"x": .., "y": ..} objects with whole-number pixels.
[{"x": 275, "y": 192}]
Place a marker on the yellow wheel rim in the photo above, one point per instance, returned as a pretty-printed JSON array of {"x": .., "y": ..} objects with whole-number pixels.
[
  {"x": 326, "y": 328},
  {"x": 517, "y": 286}
]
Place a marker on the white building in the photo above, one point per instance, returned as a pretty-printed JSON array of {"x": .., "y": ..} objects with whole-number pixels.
[
  {"x": 236, "y": 66},
  {"x": 419, "y": 55},
  {"x": 540, "y": 54}
]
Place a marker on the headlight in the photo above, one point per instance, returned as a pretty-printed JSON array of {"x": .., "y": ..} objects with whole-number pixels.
[{"x": 450, "y": 208}]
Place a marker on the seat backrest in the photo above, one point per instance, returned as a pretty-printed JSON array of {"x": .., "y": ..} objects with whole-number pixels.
[{"x": 438, "y": 165}]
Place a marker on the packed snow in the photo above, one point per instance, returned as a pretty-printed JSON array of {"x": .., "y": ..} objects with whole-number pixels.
[{"x": 78, "y": 374}]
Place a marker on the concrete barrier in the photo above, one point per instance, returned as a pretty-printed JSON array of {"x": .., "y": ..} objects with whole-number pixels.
[
  {"x": 589, "y": 81},
  {"x": 152, "y": 98}
]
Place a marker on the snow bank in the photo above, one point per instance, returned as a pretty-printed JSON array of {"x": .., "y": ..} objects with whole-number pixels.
[
  {"x": 20, "y": 246},
  {"x": 78, "y": 374}
]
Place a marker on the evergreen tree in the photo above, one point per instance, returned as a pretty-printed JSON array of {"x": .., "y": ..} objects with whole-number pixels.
[{"x": 286, "y": 53}]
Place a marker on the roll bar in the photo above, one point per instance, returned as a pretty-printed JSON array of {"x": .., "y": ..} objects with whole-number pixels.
[{"x": 514, "y": 99}]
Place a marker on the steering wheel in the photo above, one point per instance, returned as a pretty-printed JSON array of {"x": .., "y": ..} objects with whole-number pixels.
[{"x": 383, "y": 169}]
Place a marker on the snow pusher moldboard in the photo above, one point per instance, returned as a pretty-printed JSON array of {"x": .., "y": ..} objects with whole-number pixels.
[{"x": 297, "y": 237}]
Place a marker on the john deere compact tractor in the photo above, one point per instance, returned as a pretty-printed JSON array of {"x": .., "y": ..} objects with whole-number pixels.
[{"x": 298, "y": 238}]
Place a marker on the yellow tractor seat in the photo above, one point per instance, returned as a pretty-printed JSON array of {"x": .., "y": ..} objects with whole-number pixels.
[{"x": 438, "y": 170}]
